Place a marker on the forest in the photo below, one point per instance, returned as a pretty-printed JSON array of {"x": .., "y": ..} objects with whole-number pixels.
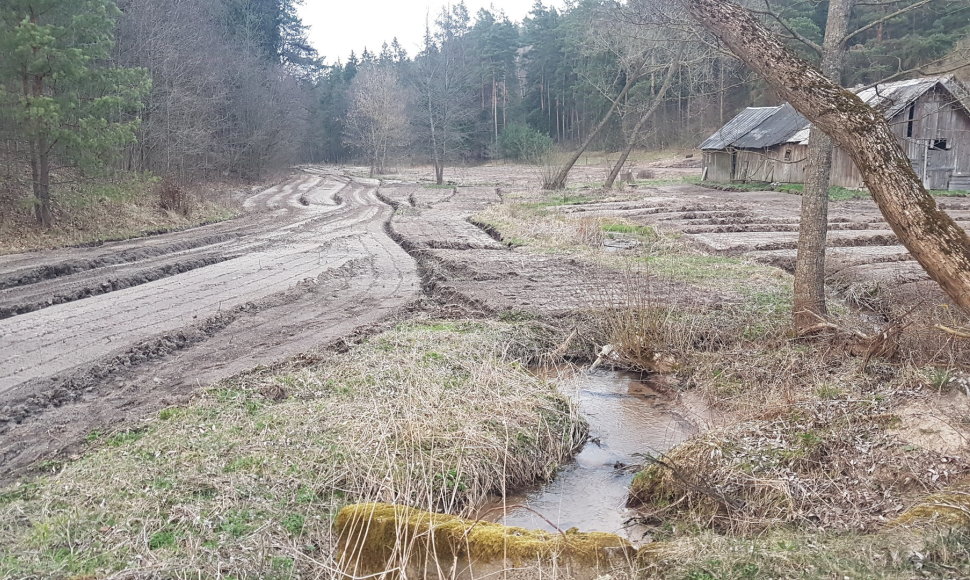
[
  {"x": 479, "y": 309},
  {"x": 202, "y": 90}
]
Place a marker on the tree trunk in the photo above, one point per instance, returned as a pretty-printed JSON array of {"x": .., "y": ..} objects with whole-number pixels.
[
  {"x": 931, "y": 236},
  {"x": 618, "y": 166},
  {"x": 559, "y": 181},
  {"x": 40, "y": 176},
  {"x": 808, "y": 305},
  {"x": 39, "y": 157}
]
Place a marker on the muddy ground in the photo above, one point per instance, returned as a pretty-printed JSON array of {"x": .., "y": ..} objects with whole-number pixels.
[
  {"x": 94, "y": 338},
  {"x": 113, "y": 332}
]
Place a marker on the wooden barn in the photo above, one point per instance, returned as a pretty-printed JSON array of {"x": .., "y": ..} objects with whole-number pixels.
[{"x": 930, "y": 116}]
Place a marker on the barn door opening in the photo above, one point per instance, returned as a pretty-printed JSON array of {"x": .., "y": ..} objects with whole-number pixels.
[{"x": 939, "y": 164}]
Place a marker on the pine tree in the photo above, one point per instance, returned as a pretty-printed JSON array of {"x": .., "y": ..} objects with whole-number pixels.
[{"x": 56, "y": 90}]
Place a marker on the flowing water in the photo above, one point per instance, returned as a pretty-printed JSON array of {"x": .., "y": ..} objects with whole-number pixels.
[{"x": 627, "y": 418}]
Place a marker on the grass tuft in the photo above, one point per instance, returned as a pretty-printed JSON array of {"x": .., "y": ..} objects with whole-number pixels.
[{"x": 433, "y": 414}]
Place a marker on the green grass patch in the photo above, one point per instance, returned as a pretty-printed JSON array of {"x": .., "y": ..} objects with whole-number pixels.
[
  {"x": 836, "y": 193},
  {"x": 564, "y": 199},
  {"x": 644, "y": 231},
  {"x": 162, "y": 539},
  {"x": 949, "y": 193},
  {"x": 431, "y": 413},
  {"x": 691, "y": 179}
]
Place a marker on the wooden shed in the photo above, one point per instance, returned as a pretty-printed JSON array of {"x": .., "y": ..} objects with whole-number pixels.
[{"x": 930, "y": 116}]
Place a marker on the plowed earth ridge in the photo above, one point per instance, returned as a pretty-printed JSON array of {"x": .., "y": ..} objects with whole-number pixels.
[{"x": 94, "y": 337}]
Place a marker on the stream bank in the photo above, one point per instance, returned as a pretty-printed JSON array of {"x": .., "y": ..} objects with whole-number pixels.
[{"x": 631, "y": 416}]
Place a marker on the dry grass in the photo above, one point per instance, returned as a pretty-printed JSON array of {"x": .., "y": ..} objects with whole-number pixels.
[
  {"x": 246, "y": 480},
  {"x": 818, "y": 438},
  {"x": 829, "y": 465},
  {"x": 93, "y": 211},
  {"x": 784, "y": 553}
]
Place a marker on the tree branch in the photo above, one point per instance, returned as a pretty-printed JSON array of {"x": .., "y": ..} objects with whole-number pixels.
[
  {"x": 794, "y": 35},
  {"x": 889, "y": 16}
]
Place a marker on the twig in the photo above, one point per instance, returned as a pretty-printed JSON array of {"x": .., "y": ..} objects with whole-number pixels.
[
  {"x": 514, "y": 505},
  {"x": 957, "y": 332}
]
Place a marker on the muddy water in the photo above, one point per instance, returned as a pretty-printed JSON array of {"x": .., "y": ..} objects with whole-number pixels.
[{"x": 627, "y": 418}]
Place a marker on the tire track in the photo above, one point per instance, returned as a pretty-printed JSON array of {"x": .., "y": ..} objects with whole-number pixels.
[{"x": 310, "y": 263}]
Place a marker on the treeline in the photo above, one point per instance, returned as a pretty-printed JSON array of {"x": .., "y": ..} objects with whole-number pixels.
[
  {"x": 185, "y": 89},
  {"x": 560, "y": 70},
  {"x": 232, "y": 85},
  {"x": 196, "y": 89}
]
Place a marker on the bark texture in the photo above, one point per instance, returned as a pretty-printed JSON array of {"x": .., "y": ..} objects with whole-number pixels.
[
  {"x": 809, "y": 294},
  {"x": 930, "y": 235}
]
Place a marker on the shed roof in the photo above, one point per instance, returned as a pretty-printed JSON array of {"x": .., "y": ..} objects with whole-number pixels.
[
  {"x": 738, "y": 127},
  {"x": 760, "y": 127}
]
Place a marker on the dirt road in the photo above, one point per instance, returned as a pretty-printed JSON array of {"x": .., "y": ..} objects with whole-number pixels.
[{"x": 90, "y": 337}]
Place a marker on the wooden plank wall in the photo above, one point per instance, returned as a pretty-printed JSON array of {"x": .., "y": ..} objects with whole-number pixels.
[{"x": 935, "y": 116}]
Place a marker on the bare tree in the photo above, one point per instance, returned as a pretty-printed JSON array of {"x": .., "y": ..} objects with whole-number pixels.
[
  {"x": 629, "y": 49},
  {"x": 377, "y": 119},
  {"x": 442, "y": 80},
  {"x": 652, "y": 103},
  {"x": 218, "y": 105},
  {"x": 930, "y": 235}
]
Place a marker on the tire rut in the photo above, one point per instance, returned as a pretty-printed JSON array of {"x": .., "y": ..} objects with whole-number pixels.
[{"x": 295, "y": 277}]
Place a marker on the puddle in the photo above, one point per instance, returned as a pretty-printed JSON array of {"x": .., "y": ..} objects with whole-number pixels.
[{"x": 626, "y": 417}]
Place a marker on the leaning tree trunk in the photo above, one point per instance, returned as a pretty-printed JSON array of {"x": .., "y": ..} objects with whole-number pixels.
[
  {"x": 931, "y": 236},
  {"x": 808, "y": 305},
  {"x": 668, "y": 80},
  {"x": 559, "y": 181}
]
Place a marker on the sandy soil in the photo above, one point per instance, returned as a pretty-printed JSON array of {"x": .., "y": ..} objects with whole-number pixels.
[{"x": 161, "y": 316}]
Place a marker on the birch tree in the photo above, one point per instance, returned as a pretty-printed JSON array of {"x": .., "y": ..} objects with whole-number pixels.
[{"x": 377, "y": 119}]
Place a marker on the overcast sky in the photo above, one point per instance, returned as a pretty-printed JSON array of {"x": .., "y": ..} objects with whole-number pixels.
[{"x": 336, "y": 28}]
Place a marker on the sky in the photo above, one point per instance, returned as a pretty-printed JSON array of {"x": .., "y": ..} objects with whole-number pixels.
[{"x": 336, "y": 28}]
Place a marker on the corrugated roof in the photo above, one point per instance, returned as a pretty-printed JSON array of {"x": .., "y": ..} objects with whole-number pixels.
[
  {"x": 759, "y": 127},
  {"x": 891, "y": 98},
  {"x": 777, "y": 128},
  {"x": 737, "y": 127}
]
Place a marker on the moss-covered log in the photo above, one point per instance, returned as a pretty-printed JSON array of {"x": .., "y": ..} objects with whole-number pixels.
[
  {"x": 949, "y": 507},
  {"x": 403, "y": 541}
]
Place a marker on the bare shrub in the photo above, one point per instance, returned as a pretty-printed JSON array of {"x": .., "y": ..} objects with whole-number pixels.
[
  {"x": 640, "y": 327},
  {"x": 589, "y": 232},
  {"x": 549, "y": 165},
  {"x": 172, "y": 197},
  {"x": 646, "y": 174}
]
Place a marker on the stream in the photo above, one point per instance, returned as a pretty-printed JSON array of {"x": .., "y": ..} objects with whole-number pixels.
[{"x": 627, "y": 419}]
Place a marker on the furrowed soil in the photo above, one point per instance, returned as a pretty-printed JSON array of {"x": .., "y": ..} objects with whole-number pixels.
[
  {"x": 354, "y": 340},
  {"x": 97, "y": 336}
]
